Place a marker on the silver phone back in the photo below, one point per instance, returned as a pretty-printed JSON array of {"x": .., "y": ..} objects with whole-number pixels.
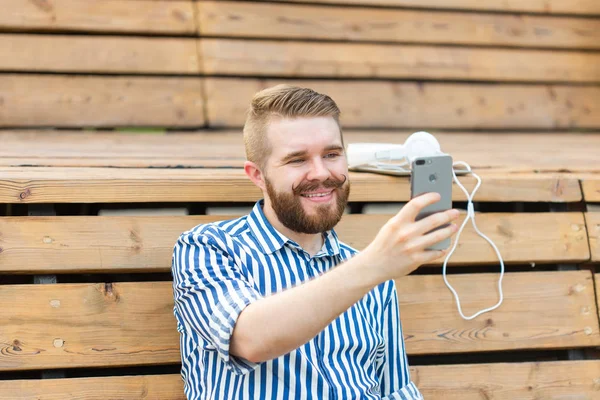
[{"x": 435, "y": 175}]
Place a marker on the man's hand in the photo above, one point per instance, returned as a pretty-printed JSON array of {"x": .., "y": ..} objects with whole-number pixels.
[{"x": 399, "y": 247}]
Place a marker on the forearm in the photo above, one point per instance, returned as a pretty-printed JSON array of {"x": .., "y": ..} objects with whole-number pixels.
[{"x": 280, "y": 323}]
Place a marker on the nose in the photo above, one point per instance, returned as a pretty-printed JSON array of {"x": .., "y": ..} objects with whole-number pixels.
[{"x": 318, "y": 171}]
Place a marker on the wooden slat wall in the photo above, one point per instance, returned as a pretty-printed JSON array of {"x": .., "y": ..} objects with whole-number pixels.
[
  {"x": 29, "y": 185},
  {"x": 592, "y": 220},
  {"x": 526, "y": 67},
  {"x": 537, "y": 6},
  {"x": 145, "y": 244},
  {"x": 132, "y": 323},
  {"x": 301, "y": 21},
  {"x": 42, "y": 100},
  {"x": 436, "y": 105},
  {"x": 139, "y": 16},
  {"x": 520, "y": 152},
  {"x": 503, "y": 381}
]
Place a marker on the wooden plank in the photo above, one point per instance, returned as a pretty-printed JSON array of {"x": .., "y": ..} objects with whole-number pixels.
[
  {"x": 501, "y": 381},
  {"x": 39, "y": 100},
  {"x": 51, "y": 245},
  {"x": 132, "y": 323},
  {"x": 380, "y": 104},
  {"x": 285, "y": 21},
  {"x": 535, "y": 305},
  {"x": 156, "y": 17},
  {"x": 553, "y": 380},
  {"x": 533, "y": 6},
  {"x": 98, "y": 54},
  {"x": 93, "y": 325},
  {"x": 359, "y": 60},
  {"x": 592, "y": 220},
  {"x": 205, "y": 148},
  {"x": 526, "y": 238},
  {"x": 591, "y": 188},
  {"x": 91, "y": 185},
  {"x": 147, "y": 387}
]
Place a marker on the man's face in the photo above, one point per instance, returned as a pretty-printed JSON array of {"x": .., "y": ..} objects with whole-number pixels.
[{"x": 306, "y": 176}]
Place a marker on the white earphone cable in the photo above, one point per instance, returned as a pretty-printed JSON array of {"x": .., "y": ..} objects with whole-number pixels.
[{"x": 471, "y": 215}]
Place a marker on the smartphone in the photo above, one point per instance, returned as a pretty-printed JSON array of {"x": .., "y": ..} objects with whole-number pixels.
[{"x": 433, "y": 174}]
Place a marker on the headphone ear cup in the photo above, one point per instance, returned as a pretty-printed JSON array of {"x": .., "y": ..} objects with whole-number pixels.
[{"x": 421, "y": 144}]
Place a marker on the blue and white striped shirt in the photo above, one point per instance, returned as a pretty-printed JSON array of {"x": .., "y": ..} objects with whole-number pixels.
[{"x": 220, "y": 268}]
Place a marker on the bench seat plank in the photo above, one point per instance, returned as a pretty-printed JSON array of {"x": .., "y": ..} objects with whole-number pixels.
[
  {"x": 156, "y": 17},
  {"x": 205, "y": 148},
  {"x": 103, "y": 244},
  {"x": 92, "y": 185},
  {"x": 592, "y": 220},
  {"x": 254, "y": 19},
  {"x": 501, "y": 381},
  {"x": 591, "y": 188},
  {"x": 98, "y": 54},
  {"x": 62, "y": 101},
  {"x": 390, "y": 61},
  {"x": 131, "y": 323},
  {"x": 147, "y": 387},
  {"x": 430, "y": 105},
  {"x": 590, "y": 7}
]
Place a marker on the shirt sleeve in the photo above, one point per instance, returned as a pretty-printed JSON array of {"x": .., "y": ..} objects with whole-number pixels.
[
  {"x": 393, "y": 372},
  {"x": 210, "y": 292}
]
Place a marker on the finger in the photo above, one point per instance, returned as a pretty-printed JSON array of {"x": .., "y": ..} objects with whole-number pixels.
[
  {"x": 410, "y": 211},
  {"x": 428, "y": 256},
  {"x": 422, "y": 242},
  {"x": 433, "y": 221}
]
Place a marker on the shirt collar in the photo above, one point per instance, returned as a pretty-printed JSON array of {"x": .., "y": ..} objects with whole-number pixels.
[{"x": 270, "y": 239}]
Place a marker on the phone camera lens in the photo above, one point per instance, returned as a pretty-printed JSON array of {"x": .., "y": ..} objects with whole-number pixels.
[{"x": 420, "y": 162}]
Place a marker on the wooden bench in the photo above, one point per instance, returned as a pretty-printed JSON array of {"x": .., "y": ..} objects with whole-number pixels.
[{"x": 514, "y": 97}]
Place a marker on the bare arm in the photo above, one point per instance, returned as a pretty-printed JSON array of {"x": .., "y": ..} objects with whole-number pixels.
[{"x": 276, "y": 325}]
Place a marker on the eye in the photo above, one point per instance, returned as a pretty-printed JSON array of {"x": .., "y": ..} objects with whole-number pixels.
[
  {"x": 332, "y": 155},
  {"x": 296, "y": 161}
]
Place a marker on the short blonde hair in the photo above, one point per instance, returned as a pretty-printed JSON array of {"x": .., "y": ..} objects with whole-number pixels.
[{"x": 282, "y": 101}]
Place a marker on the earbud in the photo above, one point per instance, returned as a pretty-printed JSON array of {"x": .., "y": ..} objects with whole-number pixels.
[{"x": 421, "y": 144}]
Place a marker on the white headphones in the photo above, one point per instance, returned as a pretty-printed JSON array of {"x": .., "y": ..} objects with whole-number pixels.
[{"x": 371, "y": 156}]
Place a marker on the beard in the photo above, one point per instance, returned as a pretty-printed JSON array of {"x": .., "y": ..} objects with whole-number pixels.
[{"x": 290, "y": 212}]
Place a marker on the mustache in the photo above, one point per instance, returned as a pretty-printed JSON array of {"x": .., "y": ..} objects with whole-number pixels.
[{"x": 329, "y": 183}]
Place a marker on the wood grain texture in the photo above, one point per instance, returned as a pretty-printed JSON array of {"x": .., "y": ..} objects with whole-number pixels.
[
  {"x": 502, "y": 381},
  {"x": 254, "y": 19},
  {"x": 534, "y": 6},
  {"x": 140, "y": 16},
  {"x": 521, "y": 237},
  {"x": 591, "y": 188},
  {"x": 556, "y": 380},
  {"x": 535, "y": 306},
  {"x": 132, "y": 323},
  {"x": 380, "y": 104},
  {"x": 204, "y": 148},
  {"x": 147, "y": 387},
  {"x": 41, "y": 100},
  {"x": 352, "y": 60},
  {"x": 77, "y": 325},
  {"x": 592, "y": 220},
  {"x": 129, "y": 185},
  {"x": 104, "y": 244},
  {"x": 98, "y": 54}
]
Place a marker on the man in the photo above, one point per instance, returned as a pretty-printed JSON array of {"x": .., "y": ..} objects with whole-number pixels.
[{"x": 272, "y": 305}]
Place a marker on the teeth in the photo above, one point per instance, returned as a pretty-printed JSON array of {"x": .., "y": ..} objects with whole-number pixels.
[{"x": 316, "y": 195}]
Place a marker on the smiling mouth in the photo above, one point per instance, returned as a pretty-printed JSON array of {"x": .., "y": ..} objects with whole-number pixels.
[{"x": 316, "y": 195}]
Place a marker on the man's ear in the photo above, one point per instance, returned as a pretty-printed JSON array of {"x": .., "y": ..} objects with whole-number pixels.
[{"x": 255, "y": 174}]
